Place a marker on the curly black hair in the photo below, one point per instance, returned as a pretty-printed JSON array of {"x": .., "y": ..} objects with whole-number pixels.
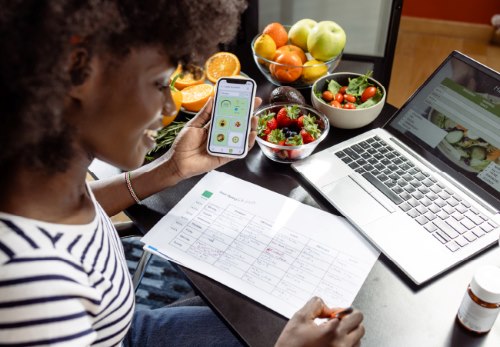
[{"x": 36, "y": 38}]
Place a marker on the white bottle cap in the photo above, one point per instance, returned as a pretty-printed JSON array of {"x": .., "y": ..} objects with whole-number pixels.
[{"x": 486, "y": 284}]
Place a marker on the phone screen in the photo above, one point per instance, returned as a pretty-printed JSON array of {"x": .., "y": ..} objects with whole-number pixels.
[{"x": 233, "y": 106}]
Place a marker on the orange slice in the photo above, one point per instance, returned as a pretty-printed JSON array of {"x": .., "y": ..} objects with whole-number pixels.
[
  {"x": 222, "y": 64},
  {"x": 167, "y": 119},
  {"x": 195, "y": 97},
  {"x": 187, "y": 79}
]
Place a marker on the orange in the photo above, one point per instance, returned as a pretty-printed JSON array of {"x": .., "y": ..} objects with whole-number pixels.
[
  {"x": 177, "y": 99},
  {"x": 288, "y": 69},
  {"x": 277, "y": 32},
  {"x": 195, "y": 97},
  {"x": 291, "y": 48},
  {"x": 187, "y": 78},
  {"x": 167, "y": 120},
  {"x": 222, "y": 64}
]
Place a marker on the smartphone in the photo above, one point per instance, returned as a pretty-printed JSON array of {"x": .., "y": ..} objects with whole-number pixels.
[{"x": 231, "y": 113}]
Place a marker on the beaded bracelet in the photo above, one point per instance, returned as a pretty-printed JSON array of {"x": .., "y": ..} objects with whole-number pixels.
[{"x": 130, "y": 189}]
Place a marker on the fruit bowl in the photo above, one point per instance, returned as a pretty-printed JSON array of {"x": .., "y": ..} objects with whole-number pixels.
[
  {"x": 293, "y": 74},
  {"x": 346, "y": 118},
  {"x": 288, "y": 153}
]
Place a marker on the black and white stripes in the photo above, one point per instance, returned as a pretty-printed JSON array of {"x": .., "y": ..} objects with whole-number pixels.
[{"x": 63, "y": 284}]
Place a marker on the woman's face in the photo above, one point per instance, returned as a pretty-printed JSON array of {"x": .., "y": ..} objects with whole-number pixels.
[{"x": 124, "y": 101}]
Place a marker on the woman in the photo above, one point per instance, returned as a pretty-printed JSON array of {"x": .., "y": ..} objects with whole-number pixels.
[{"x": 85, "y": 80}]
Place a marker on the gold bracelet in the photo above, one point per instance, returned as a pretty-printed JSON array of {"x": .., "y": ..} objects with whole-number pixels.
[{"x": 130, "y": 189}]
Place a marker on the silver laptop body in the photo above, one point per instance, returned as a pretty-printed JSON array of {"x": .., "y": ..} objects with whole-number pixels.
[{"x": 425, "y": 188}]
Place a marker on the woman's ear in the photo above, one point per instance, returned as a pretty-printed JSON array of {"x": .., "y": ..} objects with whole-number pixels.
[
  {"x": 79, "y": 70},
  {"x": 79, "y": 66}
]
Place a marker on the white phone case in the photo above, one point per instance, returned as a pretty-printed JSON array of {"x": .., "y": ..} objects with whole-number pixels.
[{"x": 250, "y": 113}]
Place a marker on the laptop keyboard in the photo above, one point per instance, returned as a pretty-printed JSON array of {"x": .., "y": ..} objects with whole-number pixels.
[{"x": 447, "y": 216}]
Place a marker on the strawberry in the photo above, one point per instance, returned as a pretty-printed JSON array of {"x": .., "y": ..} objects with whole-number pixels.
[
  {"x": 294, "y": 140},
  {"x": 276, "y": 136},
  {"x": 306, "y": 136},
  {"x": 289, "y": 153},
  {"x": 294, "y": 153},
  {"x": 310, "y": 133},
  {"x": 266, "y": 124},
  {"x": 287, "y": 116},
  {"x": 303, "y": 120},
  {"x": 272, "y": 123}
]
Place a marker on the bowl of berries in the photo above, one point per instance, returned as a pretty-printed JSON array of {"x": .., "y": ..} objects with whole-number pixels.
[
  {"x": 290, "y": 132},
  {"x": 349, "y": 100}
]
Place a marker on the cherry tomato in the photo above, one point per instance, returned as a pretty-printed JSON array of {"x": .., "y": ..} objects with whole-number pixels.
[
  {"x": 368, "y": 93},
  {"x": 336, "y": 104},
  {"x": 350, "y": 98},
  {"x": 343, "y": 90},
  {"x": 339, "y": 97},
  {"x": 327, "y": 96},
  {"x": 349, "y": 106}
]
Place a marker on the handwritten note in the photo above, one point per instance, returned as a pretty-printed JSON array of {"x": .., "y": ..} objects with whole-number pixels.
[{"x": 269, "y": 247}]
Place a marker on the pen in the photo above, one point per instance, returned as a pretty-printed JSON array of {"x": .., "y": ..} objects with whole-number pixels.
[{"x": 342, "y": 312}]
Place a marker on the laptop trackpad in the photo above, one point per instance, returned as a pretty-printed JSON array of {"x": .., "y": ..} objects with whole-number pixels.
[{"x": 354, "y": 202}]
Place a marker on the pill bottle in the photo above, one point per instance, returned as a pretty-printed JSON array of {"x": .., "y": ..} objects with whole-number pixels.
[{"x": 481, "y": 303}]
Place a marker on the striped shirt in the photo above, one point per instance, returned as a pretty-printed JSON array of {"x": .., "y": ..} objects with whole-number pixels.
[{"x": 63, "y": 285}]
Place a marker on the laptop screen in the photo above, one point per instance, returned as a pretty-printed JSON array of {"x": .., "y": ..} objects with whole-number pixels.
[{"x": 453, "y": 120}]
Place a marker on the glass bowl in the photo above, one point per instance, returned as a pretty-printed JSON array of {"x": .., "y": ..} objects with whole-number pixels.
[
  {"x": 290, "y": 154},
  {"x": 309, "y": 73}
]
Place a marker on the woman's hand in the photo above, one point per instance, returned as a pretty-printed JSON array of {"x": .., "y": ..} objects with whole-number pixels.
[
  {"x": 188, "y": 153},
  {"x": 302, "y": 331}
]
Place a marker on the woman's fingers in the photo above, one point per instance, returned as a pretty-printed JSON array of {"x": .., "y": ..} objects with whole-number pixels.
[
  {"x": 348, "y": 329},
  {"x": 253, "y": 131},
  {"x": 351, "y": 321},
  {"x": 203, "y": 116},
  {"x": 357, "y": 334},
  {"x": 254, "y": 122},
  {"x": 314, "y": 308},
  {"x": 257, "y": 102}
]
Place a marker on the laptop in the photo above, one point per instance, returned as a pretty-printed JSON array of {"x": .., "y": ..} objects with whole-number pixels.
[{"x": 424, "y": 188}]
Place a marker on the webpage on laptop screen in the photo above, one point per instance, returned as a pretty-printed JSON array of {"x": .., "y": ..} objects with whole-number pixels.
[{"x": 456, "y": 117}]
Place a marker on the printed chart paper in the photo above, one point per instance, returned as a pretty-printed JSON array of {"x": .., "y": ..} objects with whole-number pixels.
[{"x": 271, "y": 248}]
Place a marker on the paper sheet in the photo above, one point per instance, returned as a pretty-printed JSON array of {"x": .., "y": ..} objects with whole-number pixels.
[{"x": 267, "y": 246}]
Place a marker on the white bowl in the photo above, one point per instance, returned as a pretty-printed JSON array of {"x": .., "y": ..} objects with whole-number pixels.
[{"x": 345, "y": 118}]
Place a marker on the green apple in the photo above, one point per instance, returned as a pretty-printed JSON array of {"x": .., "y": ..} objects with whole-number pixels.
[
  {"x": 326, "y": 40},
  {"x": 299, "y": 32}
]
